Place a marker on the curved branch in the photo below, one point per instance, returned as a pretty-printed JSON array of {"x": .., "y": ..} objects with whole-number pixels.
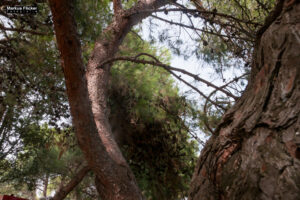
[
  {"x": 166, "y": 67},
  {"x": 146, "y": 54}
]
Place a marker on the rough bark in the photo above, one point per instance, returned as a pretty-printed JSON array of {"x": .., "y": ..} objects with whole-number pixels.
[
  {"x": 117, "y": 176},
  {"x": 98, "y": 75},
  {"x": 65, "y": 190},
  {"x": 256, "y": 151},
  {"x": 87, "y": 94}
]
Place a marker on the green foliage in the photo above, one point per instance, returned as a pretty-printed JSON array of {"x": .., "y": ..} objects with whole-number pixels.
[
  {"x": 46, "y": 152},
  {"x": 154, "y": 120},
  {"x": 146, "y": 97},
  {"x": 16, "y": 191},
  {"x": 238, "y": 43},
  {"x": 244, "y": 9},
  {"x": 91, "y": 17},
  {"x": 39, "y": 156},
  {"x": 32, "y": 86},
  {"x": 155, "y": 139}
]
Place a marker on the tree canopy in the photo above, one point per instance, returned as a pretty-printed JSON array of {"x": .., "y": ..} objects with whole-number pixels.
[{"x": 85, "y": 93}]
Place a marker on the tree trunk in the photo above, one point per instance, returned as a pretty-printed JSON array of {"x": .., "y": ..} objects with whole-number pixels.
[
  {"x": 46, "y": 180},
  {"x": 255, "y": 153},
  {"x": 117, "y": 176},
  {"x": 87, "y": 94}
]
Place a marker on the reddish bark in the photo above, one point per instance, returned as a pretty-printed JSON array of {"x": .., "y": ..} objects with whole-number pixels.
[
  {"x": 98, "y": 76},
  {"x": 87, "y": 95},
  {"x": 116, "y": 176},
  {"x": 255, "y": 154}
]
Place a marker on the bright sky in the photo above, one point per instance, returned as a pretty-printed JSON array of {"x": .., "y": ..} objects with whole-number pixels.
[{"x": 192, "y": 64}]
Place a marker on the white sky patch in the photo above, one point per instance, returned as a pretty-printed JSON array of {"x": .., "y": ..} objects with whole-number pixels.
[{"x": 192, "y": 64}]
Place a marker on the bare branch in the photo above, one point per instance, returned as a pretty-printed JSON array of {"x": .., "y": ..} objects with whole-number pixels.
[
  {"x": 198, "y": 29},
  {"x": 205, "y": 112},
  {"x": 146, "y": 54},
  {"x": 196, "y": 89},
  {"x": 168, "y": 68},
  {"x": 196, "y": 12}
]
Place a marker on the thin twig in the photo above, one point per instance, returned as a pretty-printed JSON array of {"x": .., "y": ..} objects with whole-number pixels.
[
  {"x": 198, "y": 29},
  {"x": 196, "y": 12}
]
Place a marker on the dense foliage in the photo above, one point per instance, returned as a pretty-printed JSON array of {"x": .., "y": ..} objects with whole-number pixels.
[
  {"x": 147, "y": 110},
  {"x": 151, "y": 114},
  {"x": 150, "y": 119}
]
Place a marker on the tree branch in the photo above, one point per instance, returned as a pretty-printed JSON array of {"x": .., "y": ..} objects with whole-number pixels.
[
  {"x": 87, "y": 93},
  {"x": 65, "y": 190},
  {"x": 198, "y": 29},
  {"x": 196, "y": 89},
  {"x": 206, "y": 123},
  {"x": 196, "y": 12},
  {"x": 19, "y": 30},
  {"x": 117, "y": 5},
  {"x": 168, "y": 68}
]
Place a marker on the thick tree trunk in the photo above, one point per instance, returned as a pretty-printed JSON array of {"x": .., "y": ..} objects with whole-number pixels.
[
  {"x": 117, "y": 176},
  {"x": 97, "y": 79},
  {"x": 87, "y": 94},
  {"x": 256, "y": 151}
]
